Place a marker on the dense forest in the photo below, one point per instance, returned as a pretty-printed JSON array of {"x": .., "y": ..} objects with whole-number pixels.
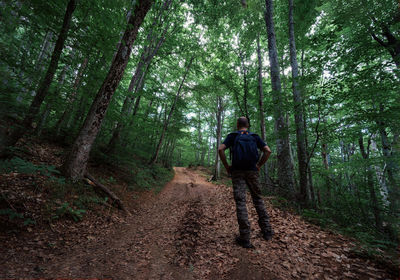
[{"x": 159, "y": 84}]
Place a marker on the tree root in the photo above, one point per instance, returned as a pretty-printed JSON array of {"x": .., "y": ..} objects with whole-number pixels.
[{"x": 92, "y": 181}]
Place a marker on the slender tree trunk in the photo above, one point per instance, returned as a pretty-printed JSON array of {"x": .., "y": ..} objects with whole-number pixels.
[
  {"x": 47, "y": 109},
  {"x": 41, "y": 62},
  {"x": 171, "y": 153},
  {"x": 78, "y": 117},
  {"x": 127, "y": 129},
  {"x": 380, "y": 176},
  {"x": 39, "y": 128},
  {"x": 220, "y": 109},
  {"x": 75, "y": 165},
  {"x": 311, "y": 185},
  {"x": 209, "y": 151},
  {"x": 309, "y": 173},
  {"x": 199, "y": 140},
  {"x": 325, "y": 161},
  {"x": 44, "y": 50},
  {"x": 45, "y": 84},
  {"x": 245, "y": 85},
  {"x": 370, "y": 183},
  {"x": 392, "y": 167},
  {"x": 298, "y": 110},
  {"x": 39, "y": 65},
  {"x": 164, "y": 150},
  {"x": 121, "y": 126},
  {"x": 72, "y": 97},
  {"x": 135, "y": 84},
  {"x": 267, "y": 181},
  {"x": 202, "y": 156},
  {"x": 157, "y": 123},
  {"x": 285, "y": 167},
  {"x": 344, "y": 159},
  {"x": 165, "y": 126}
]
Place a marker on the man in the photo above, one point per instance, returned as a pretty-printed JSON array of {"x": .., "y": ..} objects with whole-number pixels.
[{"x": 244, "y": 171}]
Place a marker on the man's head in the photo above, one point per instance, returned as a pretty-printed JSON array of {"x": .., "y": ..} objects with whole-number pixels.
[{"x": 242, "y": 123}]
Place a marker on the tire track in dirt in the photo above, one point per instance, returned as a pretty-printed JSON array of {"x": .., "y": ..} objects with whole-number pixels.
[{"x": 141, "y": 248}]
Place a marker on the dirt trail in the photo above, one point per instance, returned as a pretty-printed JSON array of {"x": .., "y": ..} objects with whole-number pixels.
[{"x": 187, "y": 232}]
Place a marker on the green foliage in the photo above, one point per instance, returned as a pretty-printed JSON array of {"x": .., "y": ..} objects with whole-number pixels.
[
  {"x": 64, "y": 210},
  {"x": 152, "y": 177},
  {"x": 13, "y": 215},
  {"x": 85, "y": 201},
  {"x": 371, "y": 240},
  {"x": 19, "y": 165}
]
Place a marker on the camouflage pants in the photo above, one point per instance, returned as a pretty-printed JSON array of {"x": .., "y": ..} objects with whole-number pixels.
[{"x": 241, "y": 178}]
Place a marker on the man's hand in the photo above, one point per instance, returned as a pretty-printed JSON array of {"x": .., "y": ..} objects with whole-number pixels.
[
  {"x": 266, "y": 153},
  {"x": 229, "y": 170},
  {"x": 221, "y": 152}
]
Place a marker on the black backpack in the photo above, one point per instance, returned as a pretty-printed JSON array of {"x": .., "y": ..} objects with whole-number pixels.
[{"x": 244, "y": 152}]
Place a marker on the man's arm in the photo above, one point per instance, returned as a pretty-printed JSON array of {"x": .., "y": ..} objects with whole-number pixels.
[
  {"x": 266, "y": 153},
  {"x": 221, "y": 152}
]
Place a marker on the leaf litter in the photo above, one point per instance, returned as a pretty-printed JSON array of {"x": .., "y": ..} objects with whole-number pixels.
[{"x": 185, "y": 232}]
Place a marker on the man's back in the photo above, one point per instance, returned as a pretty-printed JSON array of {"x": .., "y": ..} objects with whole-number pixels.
[
  {"x": 244, "y": 147},
  {"x": 244, "y": 171}
]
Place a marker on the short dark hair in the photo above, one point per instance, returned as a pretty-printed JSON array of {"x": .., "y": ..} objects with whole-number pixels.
[{"x": 242, "y": 122}]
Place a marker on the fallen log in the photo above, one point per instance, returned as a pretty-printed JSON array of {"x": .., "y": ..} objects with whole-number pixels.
[{"x": 92, "y": 181}]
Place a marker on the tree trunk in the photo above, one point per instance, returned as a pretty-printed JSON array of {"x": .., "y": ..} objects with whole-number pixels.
[
  {"x": 392, "y": 167},
  {"x": 391, "y": 44},
  {"x": 164, "y": 150},
  {"x": 39, "y": 128},
  {"x": 72, "y": 97},
  {"x": 39, "y": 65},
  {"x": 220, "y": 109},
  {"x": 75, "y": 165},
  {"x": 121, "y": 126},
  {"x": 44, "y": 51},
  {"x": 199, "y": 140},
  {"x": 171, "y": 153},
  {"x": 309, "y": 173},
  {"x": 245, "y": 86},
  {"x": 285, "y": 167},
  {"x": 370, "y": 183},
  {"x": 45, "y": 84},
  {"x": 325, "y": 161},
  {"x": 165, "y": 126},
  {"x": 135, "y": 84},
  {"x": 298, "y": 111},
  {"x": 209, "y": 152},
  {"x": 78, "y": 117},
  {"x": 380, "y": 176},
  {"x": 47, "y": 109},
  {"x": 267, "y": 181}
]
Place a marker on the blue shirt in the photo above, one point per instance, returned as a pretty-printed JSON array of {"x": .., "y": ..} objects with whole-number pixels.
[{"x": 230, "y": 139}]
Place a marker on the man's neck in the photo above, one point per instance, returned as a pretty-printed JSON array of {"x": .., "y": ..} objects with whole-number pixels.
[{"x": 242, "y": 128}]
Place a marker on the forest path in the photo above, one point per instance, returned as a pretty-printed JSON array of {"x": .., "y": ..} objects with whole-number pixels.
[{"x": 187, "y": 232}]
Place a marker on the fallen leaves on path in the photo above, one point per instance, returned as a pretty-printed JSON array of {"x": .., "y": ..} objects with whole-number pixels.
[{"x": 187, "y": 232}]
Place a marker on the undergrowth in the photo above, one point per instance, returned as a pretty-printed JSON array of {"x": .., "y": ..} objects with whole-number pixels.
[
  {"x": 370, "y": 242},
  {"x": 63, "y": 199},
  {"x": 136, "y": 171}
]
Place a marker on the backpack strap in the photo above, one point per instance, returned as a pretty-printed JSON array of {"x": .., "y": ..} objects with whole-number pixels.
[
  {"x": 234, "y": 141},
  {"x": 245, "y": 132}
]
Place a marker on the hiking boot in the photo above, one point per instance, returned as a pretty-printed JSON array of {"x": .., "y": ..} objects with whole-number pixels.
[
  {"x": 268, "y": 235},
  {"x": 244, "y": 243}
]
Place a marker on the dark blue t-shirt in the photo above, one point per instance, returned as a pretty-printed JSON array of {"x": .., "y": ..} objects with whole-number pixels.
[{"x": 230, "y": 139}]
